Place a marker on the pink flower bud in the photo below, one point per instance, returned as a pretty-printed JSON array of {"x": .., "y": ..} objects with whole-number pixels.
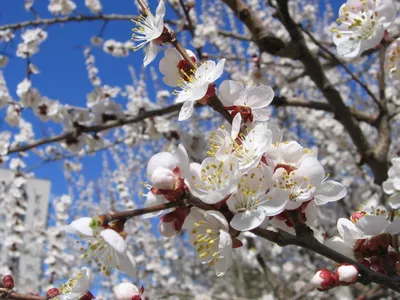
[
  {"x": 324, "y": 280},
  {"x": 53, "y": 292},
  {"x": 126, "y": 291},
  {"x": 8, "y": 282},
  {"x": 347, "y": 274},
  {"x": 163, "y": 179}
]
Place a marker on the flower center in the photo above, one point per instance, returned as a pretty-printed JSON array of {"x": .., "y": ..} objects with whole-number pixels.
[
  {"x": 362, "y": 24},
  {"x": 184, "y": 68},
  {"x": 291, "y": 185},
  {"x": 207, "y": 241}
]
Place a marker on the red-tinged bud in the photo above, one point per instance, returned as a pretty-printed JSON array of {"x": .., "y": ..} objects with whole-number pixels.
[
  {"x": 324, "y": 280},
  {"x": 347, "y": 274},
  {"x": 137, "y": 297},
  {"x": 357, "y": 216},
  {"x": 141, "y": 291},
  {"x": 209, "y": 94},
  {"x": 87, "y": 296},
  {"x": 255, "y": 58},
  {"x": 53, "y": 292},
  {"x": 8, "y": 282}
]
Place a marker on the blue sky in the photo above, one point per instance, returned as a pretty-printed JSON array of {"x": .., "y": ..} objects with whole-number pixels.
[{"x": 61, "y": 63}]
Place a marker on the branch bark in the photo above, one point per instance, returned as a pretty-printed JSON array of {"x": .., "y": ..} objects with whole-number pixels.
[{"x": 283, "y": 238}]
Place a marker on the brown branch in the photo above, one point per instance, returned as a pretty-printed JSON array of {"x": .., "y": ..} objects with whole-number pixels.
[
  {"x": 278, "y": 101},
  {"x": 264, "y": 40},
  {"x": 99, "y": 128},
  {"x": 283, "y": 238},
  {"x": 127, "y": 214},
  {"x": 15, "y": 296},
  {"x": 299, "y": 102}
]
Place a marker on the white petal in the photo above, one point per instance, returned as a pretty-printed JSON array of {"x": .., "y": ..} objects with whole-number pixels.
[
  {"x": 150, "y": 53},
  {"x": 114, "y": 240},
  {"x": 186, "y": 110},
  {"x": 259, "y": 96},
  {"x": 230, "y": 91},
  {"x": 83, "y": 283},
  {"x": 393, "y": 227},
  {"x": 80, "y": 226},
  {"x": 313, "y": 170},
  {"x": 236, "y": 123},
  {"x": 217, "y": 71},
  {"x": 127, "y": 264},
  {"x": 153, "y": 200},
  {"x": 340, "y": 246},
  {"x": 388, "y": 186},
  {"x": 183, "y": 161},
  {"x": 372, "y": 225},
  {"x": 329, "y": 191},
  {"x": 216, "y": 219},
  {"x": 160, "y": 11},
  {"x": 279, "y": 200},
  {"x": 247, "y": 220},
  {"x": 394, "y": 201}
]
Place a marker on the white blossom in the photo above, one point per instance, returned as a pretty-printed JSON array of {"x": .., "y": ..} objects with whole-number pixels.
[
  {"x": 362, "y": 25},
  {"x": 249, "y": 100},
  {"x": 149, "y": 31},
  {"x": 196, "y": 86},
  {"x": 106, "y": 245},
  {"x": 209, "y": 234}
]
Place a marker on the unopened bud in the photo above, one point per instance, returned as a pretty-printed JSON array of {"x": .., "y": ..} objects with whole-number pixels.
[
  {"x": 53, "y": 292},
  {"x": 8, "y": 282},
  {"x": 347, "y": 274},
  {"x": 163, "y": 179},
  {"x": 324, "y": 280},
  {"x": 126, "y": 291}
]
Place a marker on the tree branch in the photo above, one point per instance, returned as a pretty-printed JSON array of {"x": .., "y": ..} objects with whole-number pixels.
[
  {"x": 127, "y": 214},
  {"x": 283, "y": 238}
]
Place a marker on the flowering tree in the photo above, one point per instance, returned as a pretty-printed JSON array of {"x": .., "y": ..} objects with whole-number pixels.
[{"x": 272, "y": 164}]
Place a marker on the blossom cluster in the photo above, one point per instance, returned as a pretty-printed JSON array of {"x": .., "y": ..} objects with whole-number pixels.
[{"x": 253, "y": 176}]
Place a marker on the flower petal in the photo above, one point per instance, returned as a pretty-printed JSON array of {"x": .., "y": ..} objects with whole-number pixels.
[
  {"x": 127, "y": 264},
  {"x": 80, "y": 226},
  {"x": 114, "y": 240},
  {"x": 247, "y": 220},
  {"x": 186, "y": 111},
  {"x": 153, "y": 200},
  {"x": 372, "y": 225},
  {"x": 329, "y": 191},
  {"x": 150, "y": 53}
]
